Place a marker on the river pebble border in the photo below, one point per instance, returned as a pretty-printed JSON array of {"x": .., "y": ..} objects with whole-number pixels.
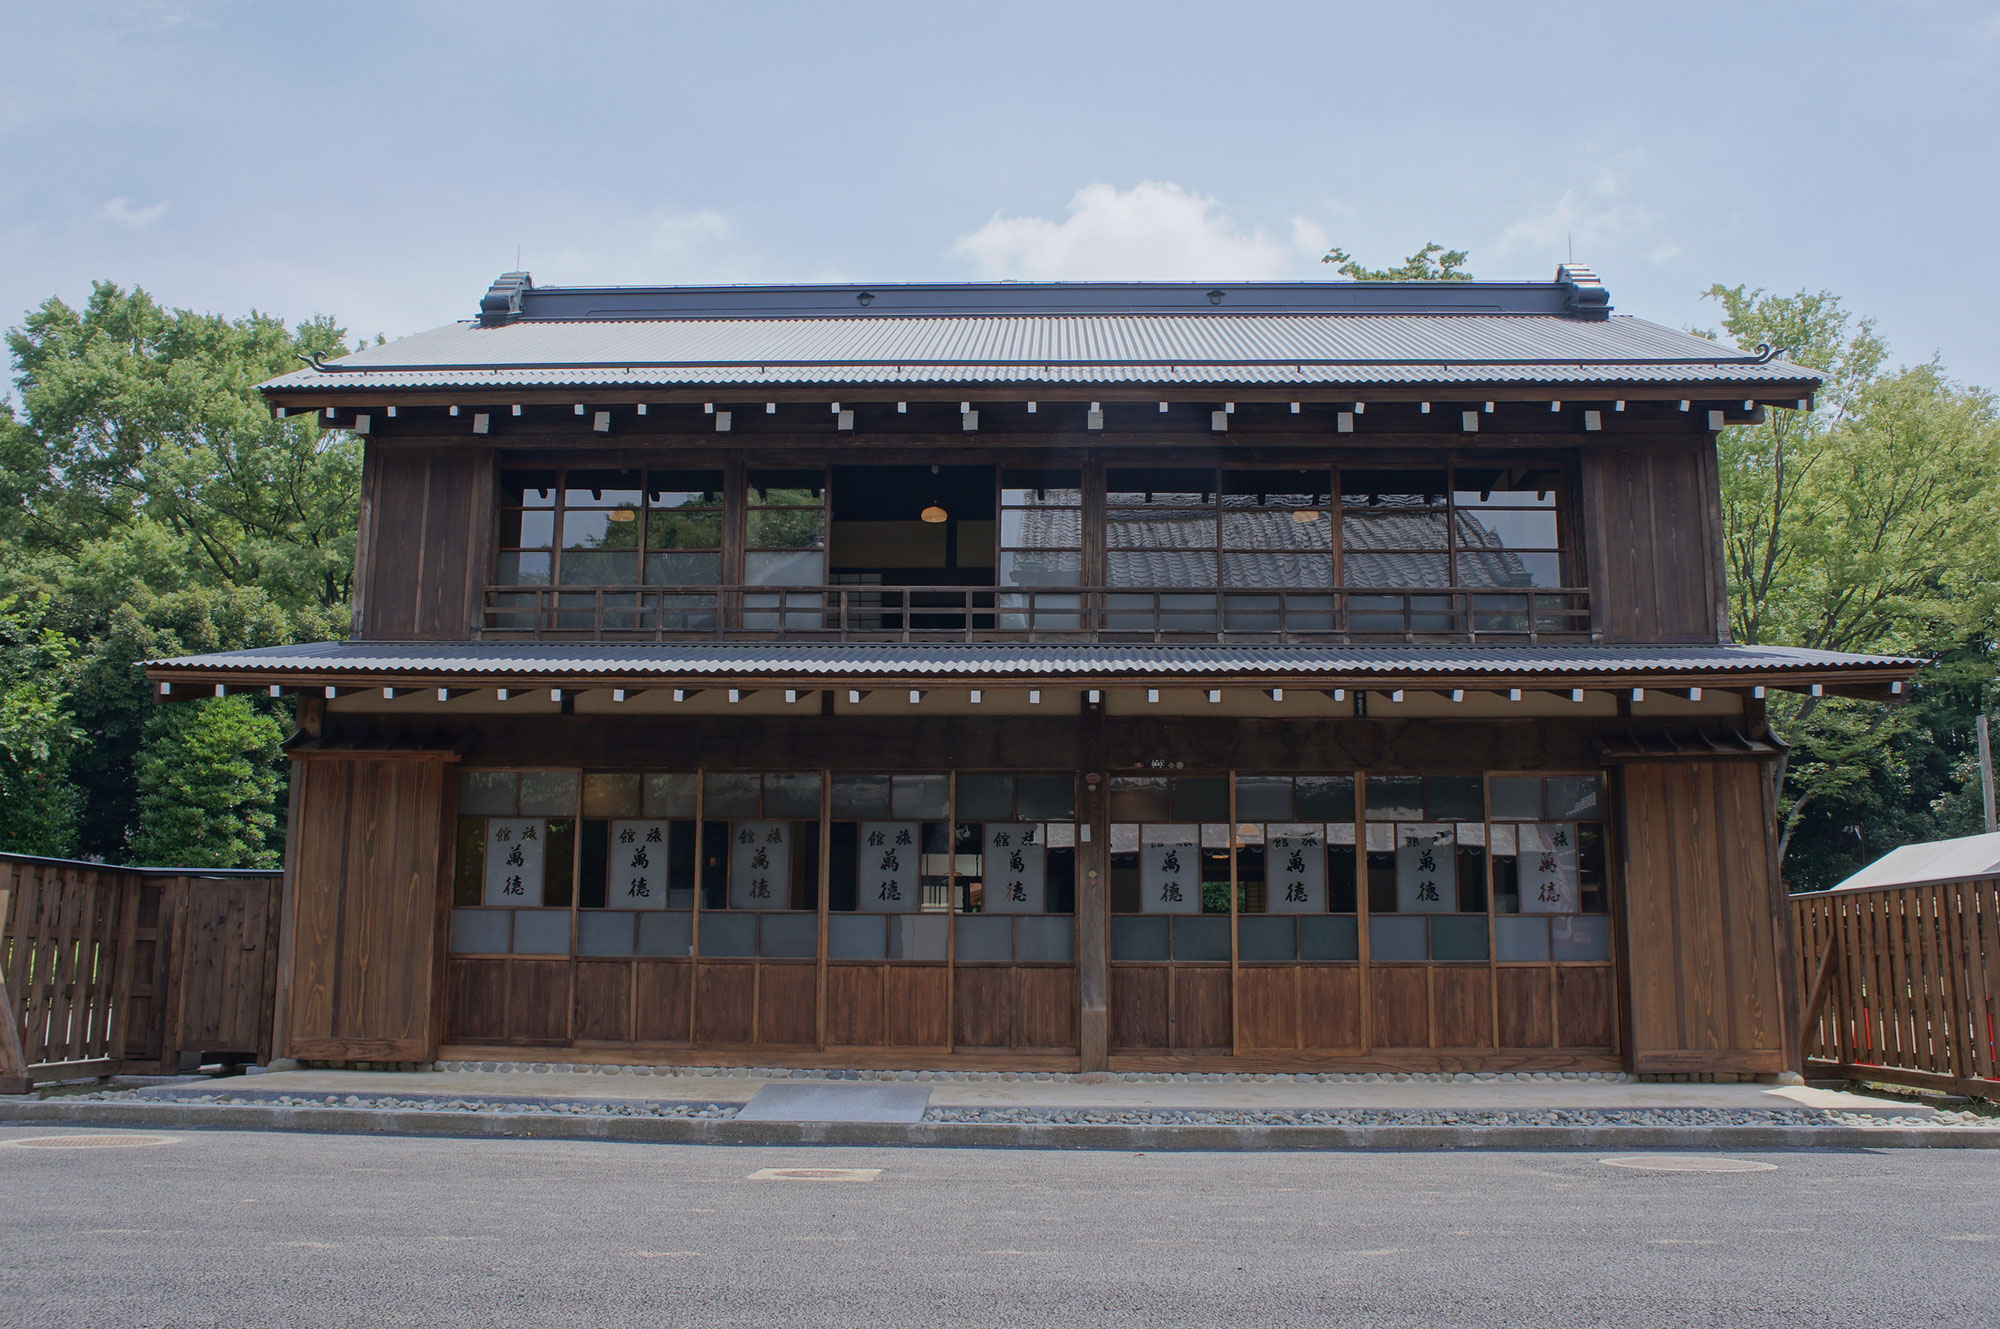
[
  {"x": 1044, "y": 1077},
  {"x": 1443, "y": 1117}
]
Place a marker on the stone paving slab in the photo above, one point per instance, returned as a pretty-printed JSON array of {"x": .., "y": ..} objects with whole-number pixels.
[
  {"x": 823, "y": 1100},
  {"x": 1071, "y": 1092}
]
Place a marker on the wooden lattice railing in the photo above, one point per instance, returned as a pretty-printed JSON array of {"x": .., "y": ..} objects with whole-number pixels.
[
  {"x": 106, "y": 969},
  {"x": 1901, "y": 984}
]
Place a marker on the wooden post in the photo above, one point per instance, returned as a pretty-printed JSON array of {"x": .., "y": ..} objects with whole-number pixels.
[
  {"x": 13, "y": 1062},
  {"x": 1809, "y": 1017},
  {"x": 1093, "y": 896},
  {"x": 1986, "y": 771}
]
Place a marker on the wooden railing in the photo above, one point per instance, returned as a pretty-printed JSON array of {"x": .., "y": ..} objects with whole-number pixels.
[
  {"x": 1900, "y": 984},
  {"x": 1033, "y": 613},
  {"x": 108, "y": 969}
]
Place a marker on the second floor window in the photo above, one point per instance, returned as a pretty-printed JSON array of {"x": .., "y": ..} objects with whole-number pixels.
[{"x": 611, "y": 528}]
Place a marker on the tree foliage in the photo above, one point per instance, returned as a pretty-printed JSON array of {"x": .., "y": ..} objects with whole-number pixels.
[
  {"x": 39, "y": 736},
  {"x": 210, "y": 778},
  {"x": 1865, "y": 524},
  {"x": 1431, "y": 263}
]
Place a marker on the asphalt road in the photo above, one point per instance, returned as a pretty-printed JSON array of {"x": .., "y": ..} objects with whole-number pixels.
[{"x": 221, "y": 1228}]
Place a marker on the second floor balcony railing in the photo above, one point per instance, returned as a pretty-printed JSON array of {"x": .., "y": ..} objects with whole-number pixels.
[{"x": 1053, "y": 614}]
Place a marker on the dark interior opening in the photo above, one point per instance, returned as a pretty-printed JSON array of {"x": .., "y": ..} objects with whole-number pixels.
[{"x": 880, "y": 537}]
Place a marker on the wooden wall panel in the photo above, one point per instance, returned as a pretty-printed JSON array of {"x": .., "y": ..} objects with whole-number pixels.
[
  {"x": 1201, "y": 1008},
  {"x": 1330, "y": 1006},
  {"x": 725, "y": 1003},
  {"x": 854, "y": 1005},
  {"x": 787, "y": 1004},
  {"x": 538, "y": 1001},
  {"x": 603, "y": 1001},
  {"x": 1400, "y": 1006},
  {"x": 1462, "y": 1006},
  {"x": 1045, "y": 1008},
  {"x": 363, "y": 956},
  {"x": 1140, "y": 1006},
  {"x": 1702, "y": 938},
  {"x": 1527, "y": 1006},
  {"x": 424, "y": 560},
  {"x": 660, "y": 995},
  {"x": 916, "y": 1005},
  {"x": 1267, "y": 1006},
  {"x": 1587, "y": 1006},
  {"x": 475, "y": 1001},
  {"x": 983, "y": 1006},
  {"x": 1657, "y": 498}
]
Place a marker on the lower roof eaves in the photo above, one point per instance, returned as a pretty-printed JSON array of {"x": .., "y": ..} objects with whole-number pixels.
[{"x": 994, "y": 663}]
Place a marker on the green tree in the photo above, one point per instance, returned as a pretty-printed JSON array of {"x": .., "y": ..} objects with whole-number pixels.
[
  {"x": 209, "y": 785},
  {"x": 39, "y": 805},
  {"x": 1866, "y": 524},
  {"x": 1431, "y": 263}
]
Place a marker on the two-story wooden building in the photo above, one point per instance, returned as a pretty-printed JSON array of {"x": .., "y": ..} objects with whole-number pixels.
[{"x": 1269, "y": 675}]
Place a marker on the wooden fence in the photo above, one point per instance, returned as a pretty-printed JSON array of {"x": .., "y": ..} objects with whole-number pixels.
[
  {"x": 1901, "y": 984},
  {"x": 107, "y": 970}
]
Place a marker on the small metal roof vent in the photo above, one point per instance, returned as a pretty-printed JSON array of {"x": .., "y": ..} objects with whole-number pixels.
[
  {"x": 1584, "y": 295},
  {"x": 502, "y": 301}
]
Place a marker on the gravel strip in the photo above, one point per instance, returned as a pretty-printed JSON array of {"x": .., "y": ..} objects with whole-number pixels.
[
  {"x": 1440, "y": 1117},
  {"x": 430, "y": 1103},
  {"x": 1049, "y": 1077}
]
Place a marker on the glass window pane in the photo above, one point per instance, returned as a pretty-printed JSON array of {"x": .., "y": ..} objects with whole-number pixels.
[
  {"x": 1264, "y": 798},
  {"x": 793, "y": 795},
  {"x": 1395, "y": 798},
  {"x": 527, "y": 530},
  {"x": 1517, "y": 798},
  {"x": 1458, "y": 939},
  {"x": 602, "y": 489},
  {"x": 728, "y": 936},
  {"x": 1139, "y": 798},
  {"x": 985, "y": 939},
  {"x": 1396, "y": 940},
  {"x": 860, "y": 796},
  {"x": 1574, "y": 798},
  {"x": 1201, "y": 799},
  {"x": 1159, "y": 528},
  {"x": 548, "y": 793},
  {"x": 1581, "y": 937},
  {"x": 1162, "y": 487},
  {"x": 787, "y": 528},
  {"x": 541, "y": 932},
  {"x": 1201, "y": 938},
  {"x": 794, "y": 569},
  {"x": 1295, "y": 528},
  {"x": 1041, "y": 567},
  {"x": 666, "y": 934},
  {"x": 787, "y": 936},
  {"x": 1301, "y": 571},
  {"x": 611, "y": 795},
  {"x": 920, "y": 795},
  {"x": 918, "y": 937},
  {"x": 1046, "y": 797},
  {"x": 857, "y": 937},
  {"x": 1506, "y": 530},
  {"x": 1455, "y": 797},
  {"x": 1044, "y": 940},
  {"x": 731, "y": 795},
  {"x": 531, "y": 489},
  {"x": 1266, "y": 939},
  {"x": 669, "y": 795},
  {"x": 580, "y": 569},
  {"x": 1509, "y": 570},
  {"x": 1326, "y": 798},
  {"x": 1398, "y": 570},
  {"x": 1392, "y": 489},
  {"x": 1329, "y": 938},
  {"x": 1141, "y": 939},
  {"x": 487, "y": 793},
  {"x": 684, "y": 489},
  {"x": 1521, "y": 939},
  {"x": 1506, "y": 486},
  {"x": 985, "y": 798},
  {"x": 526, "y": 569},
  {"x": 1159, "y": 568},
  {"x": 605, "y": 932},
  {"x": 683, "y": 530},
  {"x": 479, "y": 931},
  {"x": 794, "y": 488}
]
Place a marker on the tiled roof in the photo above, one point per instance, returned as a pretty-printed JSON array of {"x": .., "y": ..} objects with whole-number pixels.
[{"x": 1082, "y": 662}]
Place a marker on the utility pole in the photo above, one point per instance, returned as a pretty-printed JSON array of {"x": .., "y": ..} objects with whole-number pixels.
[{"x": 1986, "y": 771}]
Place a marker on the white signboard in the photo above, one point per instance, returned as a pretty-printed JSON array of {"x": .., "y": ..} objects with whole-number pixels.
[
  {"x": 1170, "y": 869},
  {"x": 760, "y": 865},
  {"x": 1426, "y": 870},
  {"x": 1295, "y": 868},
  {"x": 514, "y": 860},
  {"x": 1548, "y": 868},
  {"x": 889, "y": 871},
  {"x": 1015, "y": 862},
  {"x": 635, "y": 866}
]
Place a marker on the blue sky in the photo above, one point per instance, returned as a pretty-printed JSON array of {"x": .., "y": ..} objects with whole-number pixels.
[{"x": 382, "y": 163}]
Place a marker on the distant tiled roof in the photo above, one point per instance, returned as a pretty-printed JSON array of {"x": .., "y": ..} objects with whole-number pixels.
[
  {"x": 1084, "y": 661},
  {"x": 1165, "y": 333}
]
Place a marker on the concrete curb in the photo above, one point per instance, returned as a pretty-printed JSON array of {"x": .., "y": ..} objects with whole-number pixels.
[{"x": 980, "y": 1135}]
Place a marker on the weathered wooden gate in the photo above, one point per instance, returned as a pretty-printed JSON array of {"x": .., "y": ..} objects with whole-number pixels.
[
  {"x": 109, "y": 969},
  {"x": 1901, "y": 984}
]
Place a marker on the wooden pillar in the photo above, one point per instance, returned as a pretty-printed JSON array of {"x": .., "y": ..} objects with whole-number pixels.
[{"x": 1093, "y": 893}]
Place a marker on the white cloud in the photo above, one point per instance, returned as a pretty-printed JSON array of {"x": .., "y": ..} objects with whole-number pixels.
[
  {"x": 1592, "y": 221},
  {"x": 1156, "y": 229},
  {"x": 120, "y": 210},
  {"x": 662, "y": 246}
]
